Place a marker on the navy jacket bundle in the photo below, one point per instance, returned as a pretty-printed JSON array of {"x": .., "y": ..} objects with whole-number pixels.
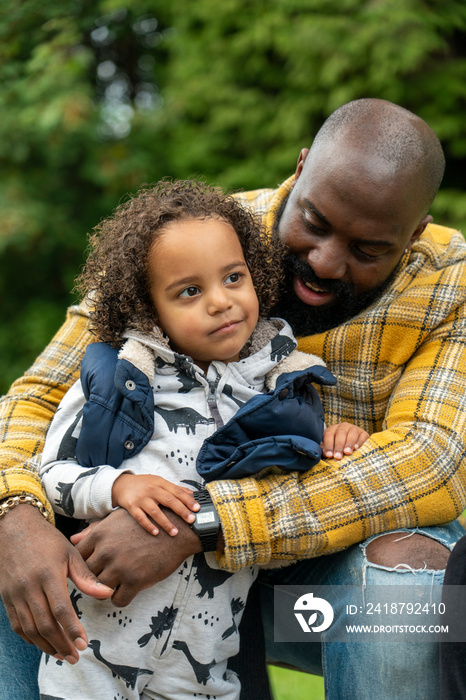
[{"x": 282, "y": 428}]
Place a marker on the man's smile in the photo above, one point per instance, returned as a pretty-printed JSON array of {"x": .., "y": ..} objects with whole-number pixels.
[
  {"x": 314, "y": 287},
  {"x": 313, "y": 305},
  {"x": 311, "y": 293}
]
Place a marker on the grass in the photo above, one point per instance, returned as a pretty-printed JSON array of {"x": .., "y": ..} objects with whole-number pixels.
[{"x": 293, "y": 685}]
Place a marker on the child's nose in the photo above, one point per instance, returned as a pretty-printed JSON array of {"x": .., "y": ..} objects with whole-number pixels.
[{"x": 219, "y": 300}]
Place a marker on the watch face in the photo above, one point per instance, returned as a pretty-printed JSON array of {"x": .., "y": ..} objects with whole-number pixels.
[
  {"x": 207, "y": 521},
  {"x": 204, "y": 518}
]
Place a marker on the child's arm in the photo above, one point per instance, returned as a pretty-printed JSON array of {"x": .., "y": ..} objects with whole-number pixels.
[
  {"x": 140, "y": 495},
  {"x": 342, "y": 439},
  {"x": 86, "y": 493}
]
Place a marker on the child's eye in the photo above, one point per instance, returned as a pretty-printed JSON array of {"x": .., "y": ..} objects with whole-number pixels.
[
  {"x": 189, "y": 292},
  {"x": 233, "y": 278}
]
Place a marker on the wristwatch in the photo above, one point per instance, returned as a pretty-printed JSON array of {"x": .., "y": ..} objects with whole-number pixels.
[{"x": 207, "y": 523}]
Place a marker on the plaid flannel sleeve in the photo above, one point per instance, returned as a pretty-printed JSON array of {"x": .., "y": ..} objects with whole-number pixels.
[{"x": 28, "y": 408}]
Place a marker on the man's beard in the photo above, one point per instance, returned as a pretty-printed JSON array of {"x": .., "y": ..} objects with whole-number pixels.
[{"x": 305, "y": 319}]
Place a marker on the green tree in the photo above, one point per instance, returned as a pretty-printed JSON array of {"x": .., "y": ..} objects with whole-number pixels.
[
  {"x": 79, "y": 100},
  {"x": 251, "y": 82}
]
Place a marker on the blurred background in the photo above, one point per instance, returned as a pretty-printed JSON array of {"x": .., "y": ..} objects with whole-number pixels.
[{"x": 99, "y": 96}]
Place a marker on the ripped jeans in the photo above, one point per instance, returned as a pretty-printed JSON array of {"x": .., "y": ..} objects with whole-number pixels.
[{"x": 361, "y": 670}]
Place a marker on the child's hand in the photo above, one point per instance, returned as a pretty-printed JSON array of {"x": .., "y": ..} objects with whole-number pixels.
[
  {"x": 341, "y": 439},
  {"x": 140, "y": 495}
]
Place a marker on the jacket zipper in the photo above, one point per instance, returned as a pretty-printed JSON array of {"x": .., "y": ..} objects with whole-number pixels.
[{"x": 212, "y": 402}]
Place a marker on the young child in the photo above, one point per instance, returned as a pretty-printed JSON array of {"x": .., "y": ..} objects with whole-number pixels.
[{"x": 180, "y": 283}]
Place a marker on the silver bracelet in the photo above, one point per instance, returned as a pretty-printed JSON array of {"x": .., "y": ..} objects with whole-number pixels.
[{"x": 8, "y": 503}]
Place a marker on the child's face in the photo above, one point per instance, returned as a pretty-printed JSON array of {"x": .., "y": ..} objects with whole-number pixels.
[{"x": 202, "y": 289}]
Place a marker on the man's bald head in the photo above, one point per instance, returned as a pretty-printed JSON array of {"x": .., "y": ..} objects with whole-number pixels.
[{"x": 401, "y": 142}]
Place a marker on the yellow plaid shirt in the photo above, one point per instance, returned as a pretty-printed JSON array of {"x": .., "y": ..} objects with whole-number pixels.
[{"x": 401, "y": 370}]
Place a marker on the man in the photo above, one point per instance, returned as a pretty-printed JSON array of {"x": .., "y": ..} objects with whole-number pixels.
[{"x": 378, "y": 291}]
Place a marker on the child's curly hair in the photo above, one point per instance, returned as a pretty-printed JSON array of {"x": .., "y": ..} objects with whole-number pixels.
[{"x": 116, "y": 271}]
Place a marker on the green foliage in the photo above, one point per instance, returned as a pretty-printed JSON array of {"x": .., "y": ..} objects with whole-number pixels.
[
  {"x": 98, "y": 97},
  {"x": 250, "y": 83},
  {"x": 63, "y": 163}
]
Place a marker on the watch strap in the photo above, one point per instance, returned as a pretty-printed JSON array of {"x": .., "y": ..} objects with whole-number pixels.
[
  {"x": 209, "y": 540},
  {"x": 203, "y": 497}
]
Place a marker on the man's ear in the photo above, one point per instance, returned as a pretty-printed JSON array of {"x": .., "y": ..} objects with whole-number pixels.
[
  {"x": 300, "y": 165},
  {"x": 419, "y": 229}
]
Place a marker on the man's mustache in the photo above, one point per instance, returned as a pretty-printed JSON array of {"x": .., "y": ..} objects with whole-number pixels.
[{"x": 302, "y": 269}]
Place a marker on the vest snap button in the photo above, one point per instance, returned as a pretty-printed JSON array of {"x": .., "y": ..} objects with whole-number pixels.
[
  {"x": 129, "y": 445},
  {"x": 130, "y": 385}
]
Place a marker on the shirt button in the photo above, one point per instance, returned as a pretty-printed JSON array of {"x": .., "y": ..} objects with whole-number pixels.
[
  {"x": 130, "y": 385},
  {"x": 129, "y": 445}
]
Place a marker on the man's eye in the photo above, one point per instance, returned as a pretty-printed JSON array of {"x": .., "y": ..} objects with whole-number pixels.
[
  {"x": 313, "y": 228},
  {"x": 365, "y": 256},
  {"x": 189, "y": 292}
]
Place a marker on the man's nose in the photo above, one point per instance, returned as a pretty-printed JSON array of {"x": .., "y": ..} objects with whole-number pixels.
[{"x": 328, "y": 260}]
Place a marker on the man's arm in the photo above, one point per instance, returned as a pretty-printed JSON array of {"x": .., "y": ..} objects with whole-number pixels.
[
  {"x": 36, "y": 558},
  {"x": 36, "y": 561},
  {"x": 27, "y": 410},
  {"x": 410, "y": 474}
]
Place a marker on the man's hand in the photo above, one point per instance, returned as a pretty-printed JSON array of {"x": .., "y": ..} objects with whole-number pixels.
[
  {"x": 126, "y": 557},
  {"x": 36, "y": 560}
]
